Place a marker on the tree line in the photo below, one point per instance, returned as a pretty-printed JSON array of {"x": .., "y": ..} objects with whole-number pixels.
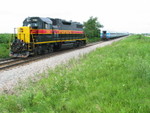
[{"x": 92, "y": 27}]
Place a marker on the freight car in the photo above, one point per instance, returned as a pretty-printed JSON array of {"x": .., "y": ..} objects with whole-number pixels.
[
  {"x": 105, "y": 35},
  {"x": 43, "y": 35}
]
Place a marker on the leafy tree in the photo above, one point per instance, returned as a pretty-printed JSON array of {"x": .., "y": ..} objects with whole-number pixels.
[{"x": 92, "y": 27}]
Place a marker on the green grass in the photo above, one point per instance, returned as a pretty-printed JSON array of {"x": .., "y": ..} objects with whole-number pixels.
[
  {"x": 93, "y": 39},
  {"x": 113, "y": 79},
  {"x": 4, "y": 50},
  {"x": 4, "y": 45},
  {"x": 5, "y": 38}
]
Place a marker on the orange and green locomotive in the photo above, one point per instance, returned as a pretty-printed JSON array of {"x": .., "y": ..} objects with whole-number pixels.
[{"x": 44, "y": 35}]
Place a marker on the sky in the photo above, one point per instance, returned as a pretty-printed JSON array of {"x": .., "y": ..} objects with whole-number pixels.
[{"x": 116, "y": 15}]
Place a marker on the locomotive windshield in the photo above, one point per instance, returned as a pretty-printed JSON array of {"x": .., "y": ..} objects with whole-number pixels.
[
  {"x": 33, "y": 25},
  {"x": 31, "y": 22}
]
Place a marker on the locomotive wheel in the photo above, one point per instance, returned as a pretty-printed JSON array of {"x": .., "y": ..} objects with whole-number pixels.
[
  {"x": 57, "y": 47},
  {"x": 80, "y": 43},
  {"x": 76, "y": 44},
  {"x": 84, "y": 43},
  {"x": 50, "y": 50},
  {"x": 37, "y": 51}
]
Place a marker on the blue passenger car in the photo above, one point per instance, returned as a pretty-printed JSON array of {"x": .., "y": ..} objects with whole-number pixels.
[{"x": 105, "y": 35}]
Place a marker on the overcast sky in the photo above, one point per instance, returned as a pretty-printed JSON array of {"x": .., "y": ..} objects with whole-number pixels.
[{"x": 116, "y": 15}]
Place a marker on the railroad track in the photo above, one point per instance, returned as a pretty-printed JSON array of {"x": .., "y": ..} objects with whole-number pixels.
[
  {"x": 6, "y": 59},
  {"x": 6, "y": 63},
  {"x": 12, "y": 62}
]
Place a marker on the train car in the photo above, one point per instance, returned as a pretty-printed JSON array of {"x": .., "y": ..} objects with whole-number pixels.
[
  {"x": 106, "y": 35},
  {"x": 43, "y": 35}
]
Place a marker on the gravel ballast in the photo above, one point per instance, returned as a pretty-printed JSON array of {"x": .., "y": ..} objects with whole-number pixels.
[{"x": 11, "y": 77}]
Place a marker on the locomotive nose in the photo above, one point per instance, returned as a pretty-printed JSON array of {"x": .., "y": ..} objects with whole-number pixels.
[
  {"x": 17, "y": 45},
  {"x": 24, "y": 34},
  {"x": 18, "y": 48}
]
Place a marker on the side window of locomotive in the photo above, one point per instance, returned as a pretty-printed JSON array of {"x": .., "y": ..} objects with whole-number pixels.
[
  {"x": 79, "y": 26},
  {"x": 46, "y": 26}
]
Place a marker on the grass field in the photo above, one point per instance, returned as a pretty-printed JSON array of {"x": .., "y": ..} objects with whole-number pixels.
[
  {"x": 4, "y": 45},
  {"x": 4, "y": 50},
  {"x": 112, "y": 79}
]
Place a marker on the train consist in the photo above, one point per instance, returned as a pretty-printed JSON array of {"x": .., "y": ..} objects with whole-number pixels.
[
  {"x": 105, "y": 35},
  {"x": 43, "y": 35}
]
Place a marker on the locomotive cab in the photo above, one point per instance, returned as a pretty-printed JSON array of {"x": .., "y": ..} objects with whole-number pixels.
[
  {"x": 23, "y": 43},
  {"x": 28, "y": 35}
]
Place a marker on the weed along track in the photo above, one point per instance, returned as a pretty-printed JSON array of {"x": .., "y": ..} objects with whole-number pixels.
[
  {"x": 120, "y": 81},
  {"x": 13, "y": 62}
]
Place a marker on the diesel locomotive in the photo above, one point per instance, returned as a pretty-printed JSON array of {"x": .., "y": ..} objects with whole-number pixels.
[{"x": 44, "y": 35}]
